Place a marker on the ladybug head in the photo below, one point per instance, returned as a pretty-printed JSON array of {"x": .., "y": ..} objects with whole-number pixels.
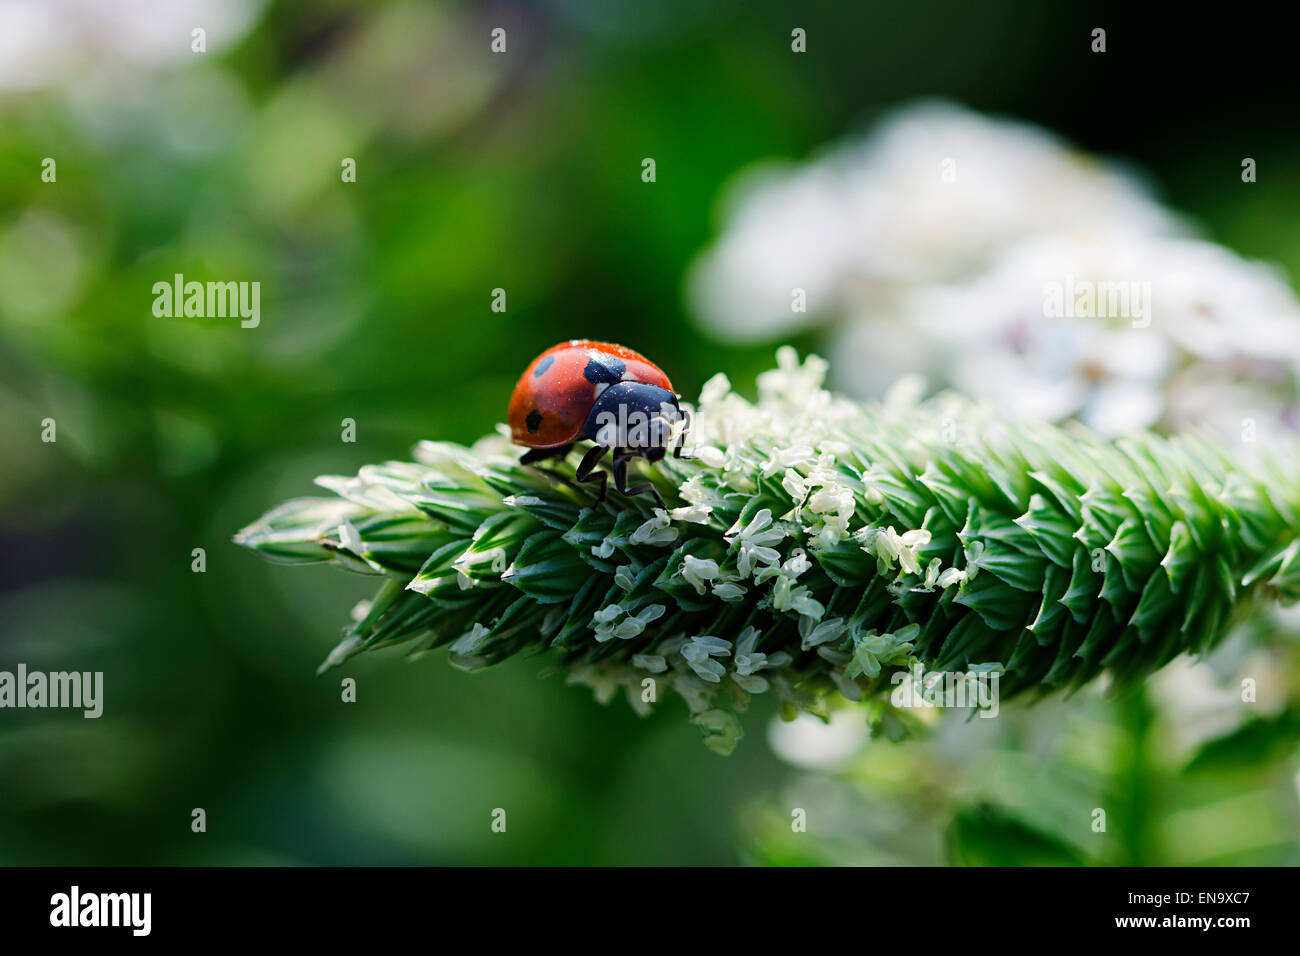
[{"x": 635, "y": 416}]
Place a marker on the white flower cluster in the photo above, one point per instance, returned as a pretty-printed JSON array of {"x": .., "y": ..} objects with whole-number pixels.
[
  {"x": 615, "y": 621},
  {"x": 793, "y": 435},
  {"x": 987, "y": 255},
  {"x": 704, "y": 574}
]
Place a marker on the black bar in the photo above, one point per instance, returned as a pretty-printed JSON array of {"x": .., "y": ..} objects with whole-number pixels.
[{"x": 215, "y": 905}]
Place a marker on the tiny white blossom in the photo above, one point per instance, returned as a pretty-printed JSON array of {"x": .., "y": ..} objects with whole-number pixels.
[
  {"x": 795, "y": 486},
  {"x": 754, "y": 541},
  {"x": 350, "y": 538},
  {"x": 699, "y": 653},
  {"x": 651, "y": 663},
  {"x": 804, "y": 604},
  {"x": 751, "y": 683},
  {"x": 951, "y": 576},
  {"x": 748, "y": 661},
  {"x": 871, "y": 650},
  {"x": 634, "y": 624},
  {"x": 890, "y": 546},
  {"x": 694, "y": 490},
  {"x": 695, "y": 513},
  {"x": 656, "y": 530},
  {"x": 715, "y": 389},
  {"x": 871, "y": 491},
  {"x": 833, "y": 530},
  {"x": 694, "y": 691},
  {"x": 785, "y": 595},
  {"x": 932, "y": 571},
  {"x": 729, "y": 591},
  {"x": 613, "y": 621},
  {"x": 602, "y": 622},
  {"x": 784, "y": 458},
  {"x": 835, "y": 499},
  {"x": 715, "y": 646},
  {"x": 604, "y": 680},
  {"x": 608, "y": 613},
  {"x": 815, "y": 633},
  {"x": 908, "y": 544},
  {"x": 471, "y": 640},
  {"x": 788, "y": 571},
  {"x": 711, "y": 456},
  {"x": 699, "y": 572}
]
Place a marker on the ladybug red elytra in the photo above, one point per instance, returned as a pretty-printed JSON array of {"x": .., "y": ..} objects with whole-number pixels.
[{"x": 605, "y": 393}]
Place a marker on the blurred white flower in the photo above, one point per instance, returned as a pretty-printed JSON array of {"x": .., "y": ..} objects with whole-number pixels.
[
  {"x": 930, "y": 196},
  {"x": 1217, "y": 340},
  {"x": 985, "y": 255},
  {"x": 73, "y": 43},
  {"x": 807, "y": 741}
]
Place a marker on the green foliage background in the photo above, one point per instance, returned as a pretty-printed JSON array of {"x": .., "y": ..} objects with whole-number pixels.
[{"x": 477, "y": 172}]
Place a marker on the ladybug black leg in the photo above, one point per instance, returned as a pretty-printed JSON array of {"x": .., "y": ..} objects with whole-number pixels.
[
  {"x": 587, "y": 471},
  {"x": 534, "y": 455},
  {"x": 679, "y": 450},
  {"x": 621, "y": 458}
]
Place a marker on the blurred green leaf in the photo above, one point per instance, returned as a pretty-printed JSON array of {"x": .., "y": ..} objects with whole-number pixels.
[
  {"x": 986, "y": 835},
  {"x": 1258, "y": 743}
]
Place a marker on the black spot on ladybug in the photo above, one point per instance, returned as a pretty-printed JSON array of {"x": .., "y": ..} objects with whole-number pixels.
[
  {"x": 533, "y": 421},
  {"x": 543, "y": 365},
  {"x": 604, "y": 368}
]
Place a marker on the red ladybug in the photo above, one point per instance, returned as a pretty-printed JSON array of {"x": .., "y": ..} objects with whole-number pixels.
[{"x": 606, "y": 393}]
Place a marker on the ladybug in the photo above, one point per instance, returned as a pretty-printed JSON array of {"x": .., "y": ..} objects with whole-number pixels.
[{"x": 608, "y": 394}]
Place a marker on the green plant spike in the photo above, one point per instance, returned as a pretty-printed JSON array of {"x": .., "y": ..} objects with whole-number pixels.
[{"x": 812, "y": 549}]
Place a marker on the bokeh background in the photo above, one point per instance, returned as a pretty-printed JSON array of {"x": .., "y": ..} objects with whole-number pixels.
[{"x": 521, "y": 171}]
